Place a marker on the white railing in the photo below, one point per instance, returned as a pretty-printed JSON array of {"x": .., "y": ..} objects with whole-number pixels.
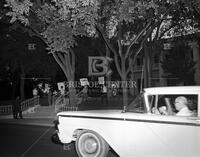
[
  {"x": 68, "y": 108},
  {"x": 26, "y": 104},
  {"x": 58, "y": 102},
  {"x": 62, "y": 104},
  {"x": 55, "y": 98},
  {"x": 6, "y": 109},
  {"x": 29, "y": 103}
]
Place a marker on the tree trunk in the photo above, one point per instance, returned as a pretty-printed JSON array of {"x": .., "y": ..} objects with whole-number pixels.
[
  {"x": 67, "y": 64},
  {"x": 22, "y": 82},
  {"x": 124, "y": 86},
  {"x": 72, "y": 96},
  {"x": 132, "y": 79},
  {"x": 14, "y": 87},
  {"x": 108, "y": 77},
  {"x": 147, "y": 69},
  {"x": 125, "y": 92}
]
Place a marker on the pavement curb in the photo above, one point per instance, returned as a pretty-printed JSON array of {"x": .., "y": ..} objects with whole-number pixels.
[{"x": 38, "y": 122}]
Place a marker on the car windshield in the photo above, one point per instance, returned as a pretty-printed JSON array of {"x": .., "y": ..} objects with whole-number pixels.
[{"x": 137, "y": 105}]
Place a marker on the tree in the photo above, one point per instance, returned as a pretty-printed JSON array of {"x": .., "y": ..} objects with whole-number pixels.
[
  {"x": 19, "y": 62},
  {"x": 121, "y": 22},
  {"x": 178, "y": 64},
  {"x": 183, "y": 19},
  {"x": 47, "y": 21}
]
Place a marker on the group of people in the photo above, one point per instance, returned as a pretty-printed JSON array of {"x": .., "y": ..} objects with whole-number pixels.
[
  {"x": 181, "y": 106},
  {"x": 82, "y": 96},
  {"x": 16, "y": 108}
]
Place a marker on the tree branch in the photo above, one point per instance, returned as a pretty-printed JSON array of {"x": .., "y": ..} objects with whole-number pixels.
[
  {"x": 163, "y": 33},
  {"x": 137, "y": 38},
  {"x": 149, "y": 26},
  {"x": 111, "y": 48},
  {"x": 72, "y": 61},
  {"x": 119, "y": 39},
  {"x": 117, "y": 65},
  {"x": 145, "y": 38},
  {"x": 34, "y": 32},
  {"x": 158, "y": 29},
  {"x": 105, "y": 39},
  {"x": 55, "y": 55},
  {"x": 138, "y": 51},
  {"x": 142, "y": 32},
  {"x": 61, "y": 58},
  {"x": 132, "y": 61},
  {"x": 68, "y": 64}
]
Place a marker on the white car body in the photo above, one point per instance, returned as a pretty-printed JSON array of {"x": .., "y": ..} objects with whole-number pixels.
[{"x": 139, "y": 134}]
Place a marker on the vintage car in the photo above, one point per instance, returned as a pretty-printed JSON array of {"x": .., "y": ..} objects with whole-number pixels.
[{"x": 137, "y": 131}]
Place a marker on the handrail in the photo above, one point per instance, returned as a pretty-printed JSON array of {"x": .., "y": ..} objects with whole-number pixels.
[
  {"x": 62, "y": 104},
  {"x": 54, "y": 98},
  {"x": 7, "y": 109},
  {"x": 29, "y": 103}
]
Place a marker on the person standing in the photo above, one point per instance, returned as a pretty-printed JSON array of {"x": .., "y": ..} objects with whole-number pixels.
[
  {"x": 14, "y": 110},
  {"x": 35, "y": 92},
  {"x": 18, "y": 108},
  {"x": 104, "y": 94},
  {"x": 82, "y": 96},
  {"x": 49, "y": 93},
  {"x": 62, "y": 90},
  {"x": 84, "y": 93}
]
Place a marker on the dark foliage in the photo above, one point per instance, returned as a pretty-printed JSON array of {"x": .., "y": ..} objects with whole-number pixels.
[{"x": 178, "y": 65}]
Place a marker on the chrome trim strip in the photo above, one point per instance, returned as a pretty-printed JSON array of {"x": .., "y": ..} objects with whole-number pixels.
[{"x": 135, "y": 120}]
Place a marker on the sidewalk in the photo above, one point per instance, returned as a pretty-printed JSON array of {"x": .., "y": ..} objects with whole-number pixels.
[
  {"x": 45, "y": 115},
  {"x": 36, "y": 122},
  {"x": 41, "y": 116}
]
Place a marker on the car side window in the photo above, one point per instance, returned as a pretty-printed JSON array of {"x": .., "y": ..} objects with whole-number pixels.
[
  {"x": 137, "y": 105},
  {"x": 151, "y": 99},
  {"x": 160, "y": 104},
  {"x": 177, "y": 105}
]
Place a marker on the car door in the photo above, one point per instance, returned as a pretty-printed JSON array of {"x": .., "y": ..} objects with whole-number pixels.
[{"x": 179, "y": 134}]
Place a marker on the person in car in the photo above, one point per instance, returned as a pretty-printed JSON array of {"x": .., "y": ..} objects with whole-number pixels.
[
  {"x": 181, "y": 106},
  {"x": 163, "y": 110}
]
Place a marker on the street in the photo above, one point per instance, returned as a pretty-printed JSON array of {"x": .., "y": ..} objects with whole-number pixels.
[{"x": 32, "y": 141}]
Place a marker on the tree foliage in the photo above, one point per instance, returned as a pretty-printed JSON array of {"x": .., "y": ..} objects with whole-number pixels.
[
  {"x": 126, "y": 22},
  {"x": 60, "y": 22},
  {"x": 64, "y": 20},
  {"x": 18, "y": 62},
  {"x": 178, "y": 64}
]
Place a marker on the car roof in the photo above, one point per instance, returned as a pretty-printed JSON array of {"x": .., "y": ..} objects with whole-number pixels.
[{"x": 173, "y": 90}]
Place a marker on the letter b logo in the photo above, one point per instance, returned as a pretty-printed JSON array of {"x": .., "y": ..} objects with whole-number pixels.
[{"x": 98, "y": 66}]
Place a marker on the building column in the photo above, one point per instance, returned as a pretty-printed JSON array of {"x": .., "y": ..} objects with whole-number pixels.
[{"x": 196, "y": 58}]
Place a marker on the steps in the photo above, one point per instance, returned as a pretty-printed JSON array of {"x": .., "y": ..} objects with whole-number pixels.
[{"x": 42, "y": 112}]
